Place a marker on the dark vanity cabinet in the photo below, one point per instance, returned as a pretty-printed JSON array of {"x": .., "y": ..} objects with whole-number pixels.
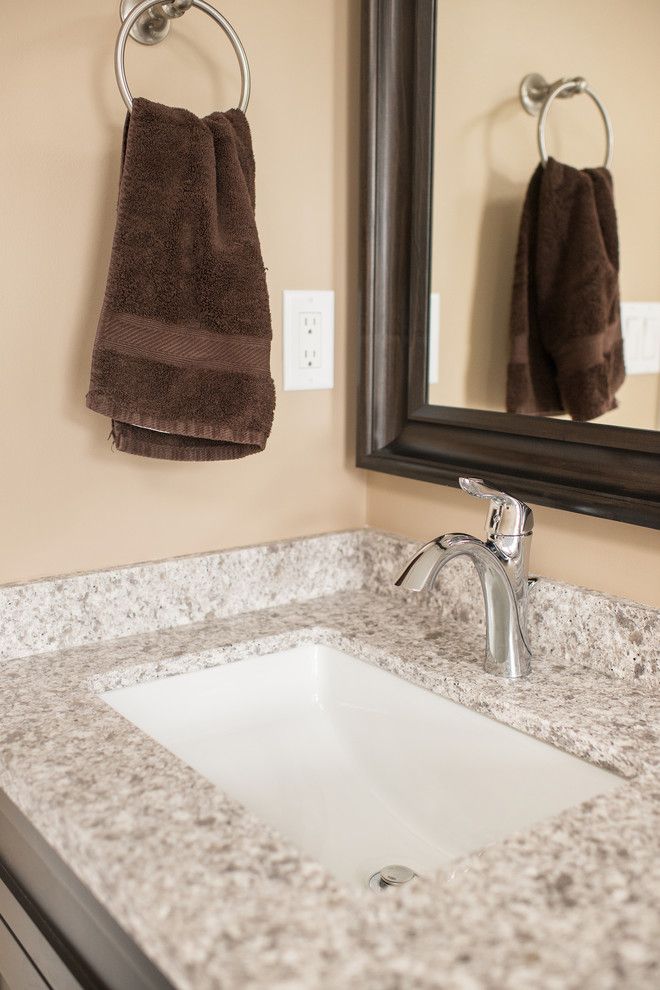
[
  {"x": 54, "y": 934},
  {"x": 28, "y": 961}
]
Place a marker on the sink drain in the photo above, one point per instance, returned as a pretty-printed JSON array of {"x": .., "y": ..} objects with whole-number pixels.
[{"x": 391, "y": 876}]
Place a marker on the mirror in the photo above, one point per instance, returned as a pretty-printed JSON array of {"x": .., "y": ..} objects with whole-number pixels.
[{"x": 484, "y": 154}]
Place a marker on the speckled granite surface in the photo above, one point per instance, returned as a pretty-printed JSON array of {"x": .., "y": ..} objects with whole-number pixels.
[
  {"x": 618, "y": 637},
  {"x": 572, "y": 903},
  {"x": 57, "y": 613},
  {"x": 570, "y": 624}
]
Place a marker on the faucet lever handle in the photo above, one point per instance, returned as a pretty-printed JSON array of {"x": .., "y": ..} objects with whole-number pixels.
[{"x": 507, "y": 516}]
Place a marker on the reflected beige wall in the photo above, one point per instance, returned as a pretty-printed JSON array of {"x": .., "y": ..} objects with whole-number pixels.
[
  {"x": 486, "y": 152},
  {"x": 68, "y": 501}
]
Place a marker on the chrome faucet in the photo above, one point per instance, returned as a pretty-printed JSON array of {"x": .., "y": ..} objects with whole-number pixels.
[{"x": 502, "y": 563}]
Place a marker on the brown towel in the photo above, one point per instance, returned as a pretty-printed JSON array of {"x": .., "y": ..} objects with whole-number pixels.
[
  {"x": 566, "y": 345},
  {"x": 182, "y": 352}
]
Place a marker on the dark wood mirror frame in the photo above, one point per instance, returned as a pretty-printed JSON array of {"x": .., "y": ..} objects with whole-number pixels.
[{"x": 598, "y": 470}]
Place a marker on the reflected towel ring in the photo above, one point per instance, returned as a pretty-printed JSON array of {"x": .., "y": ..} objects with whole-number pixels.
[
  {"x": 537, "y": 96},
  {"x": 128, "y": 26}
]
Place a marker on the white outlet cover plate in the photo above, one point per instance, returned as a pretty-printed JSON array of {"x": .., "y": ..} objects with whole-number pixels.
[
  {"x": 295, "y": 303},
  {"x": 641, "y": 337}
]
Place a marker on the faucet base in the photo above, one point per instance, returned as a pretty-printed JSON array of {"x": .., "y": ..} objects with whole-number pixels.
[{"x": 513, "y": 668}]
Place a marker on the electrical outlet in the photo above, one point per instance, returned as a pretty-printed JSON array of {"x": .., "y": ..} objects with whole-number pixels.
[
  {"x": 308, "y": 320},
  {"x": 641, "y": 337},
  {"x": 309, "y": 340}
]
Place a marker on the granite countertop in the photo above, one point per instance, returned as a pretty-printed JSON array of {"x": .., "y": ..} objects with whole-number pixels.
[{"x": 573, "y": 902}]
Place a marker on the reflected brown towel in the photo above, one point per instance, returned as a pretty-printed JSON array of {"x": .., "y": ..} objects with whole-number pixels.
[
  {"x": 182, "y": 351},
  {"x": 566, "y": 345}
]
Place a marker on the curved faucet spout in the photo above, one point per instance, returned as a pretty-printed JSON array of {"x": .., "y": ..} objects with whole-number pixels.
[
  {"x": 421, "y": 570},
  {"x": 503, "y": 577}
]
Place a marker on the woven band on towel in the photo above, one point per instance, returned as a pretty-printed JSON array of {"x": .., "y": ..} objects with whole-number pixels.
[{"x": 184, "y": 346}]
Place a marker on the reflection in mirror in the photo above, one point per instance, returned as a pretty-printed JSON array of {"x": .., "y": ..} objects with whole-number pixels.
[{"x": 568, "y": 355}]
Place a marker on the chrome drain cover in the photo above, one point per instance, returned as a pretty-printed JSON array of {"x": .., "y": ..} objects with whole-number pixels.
[{"x": 391, "y": 876}]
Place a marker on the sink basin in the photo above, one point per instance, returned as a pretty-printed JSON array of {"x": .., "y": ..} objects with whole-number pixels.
[{"x": 355, "y": 766}]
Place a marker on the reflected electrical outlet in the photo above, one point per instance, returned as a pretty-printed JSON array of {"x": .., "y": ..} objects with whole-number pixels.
[
  {"x": 640, "y": 323},
  {"x": 434, "y": 338}
]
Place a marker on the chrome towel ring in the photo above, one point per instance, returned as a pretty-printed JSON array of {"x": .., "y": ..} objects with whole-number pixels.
[
  {"x": 150, "y": 26},
  {"x": 537, "y": 96}
]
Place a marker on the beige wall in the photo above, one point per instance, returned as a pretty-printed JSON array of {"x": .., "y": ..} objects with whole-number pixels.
[
  {"x": 595, "y": 553},
  {"x": 68, "y": 501},
  {"x": 486, "y": 152}
]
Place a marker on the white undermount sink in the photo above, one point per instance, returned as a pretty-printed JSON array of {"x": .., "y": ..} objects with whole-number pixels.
[{"x": 355, "y": 766}]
